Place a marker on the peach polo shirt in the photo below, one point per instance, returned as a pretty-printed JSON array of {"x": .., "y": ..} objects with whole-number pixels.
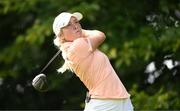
[{"x": 94, "y": 70}]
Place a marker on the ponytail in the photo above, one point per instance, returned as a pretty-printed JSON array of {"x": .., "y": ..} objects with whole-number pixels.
[{"x": 66, "y": 65}]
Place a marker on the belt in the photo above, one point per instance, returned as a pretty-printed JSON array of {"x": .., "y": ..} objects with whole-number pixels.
[{"x": 88, "y": 97}]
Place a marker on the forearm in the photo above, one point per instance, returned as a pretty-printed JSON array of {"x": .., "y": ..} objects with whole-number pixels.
[{"x": 95, "y": 37}]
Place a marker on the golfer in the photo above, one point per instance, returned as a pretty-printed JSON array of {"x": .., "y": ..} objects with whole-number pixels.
[{"x": 80, "y": 51}]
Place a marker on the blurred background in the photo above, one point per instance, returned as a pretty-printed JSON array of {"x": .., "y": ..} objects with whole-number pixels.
[{"x": 142, "y": 43}]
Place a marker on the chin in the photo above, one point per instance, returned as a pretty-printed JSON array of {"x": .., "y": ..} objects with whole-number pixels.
[
  {"x": 79, "y": 34},
  {"x": 77, "y": 37}
]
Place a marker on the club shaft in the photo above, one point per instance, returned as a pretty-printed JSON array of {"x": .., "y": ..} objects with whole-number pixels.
[{"x": 50, "y": 61}]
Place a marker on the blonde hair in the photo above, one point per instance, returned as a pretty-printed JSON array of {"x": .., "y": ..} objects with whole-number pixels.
[{"x": 58, "y": 41}]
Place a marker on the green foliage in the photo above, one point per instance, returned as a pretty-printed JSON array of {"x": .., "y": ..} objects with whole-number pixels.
[
  {"x": 137, "y": 33},
  {"x": 162, "y": 99}
]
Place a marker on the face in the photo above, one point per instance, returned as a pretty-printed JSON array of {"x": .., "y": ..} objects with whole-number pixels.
[{"x": 72, "y": 31}]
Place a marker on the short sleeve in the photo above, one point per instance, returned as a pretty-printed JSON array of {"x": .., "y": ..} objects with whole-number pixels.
[
  {"x": 90, "y": 45},
  {"x": 79, "y": 50}
]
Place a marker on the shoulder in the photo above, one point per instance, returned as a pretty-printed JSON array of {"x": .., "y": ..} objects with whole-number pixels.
[
  {"x": 78, "y": 44},
  {"x": 79, "y": 41},
  {"x": 78, "y": 49}
]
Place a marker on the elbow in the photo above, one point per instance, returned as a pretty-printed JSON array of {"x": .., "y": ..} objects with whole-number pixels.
[{"x": 102, "y": 36}]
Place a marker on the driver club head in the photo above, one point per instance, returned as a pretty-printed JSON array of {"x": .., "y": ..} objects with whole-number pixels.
[{"x": 40, "y": 83}]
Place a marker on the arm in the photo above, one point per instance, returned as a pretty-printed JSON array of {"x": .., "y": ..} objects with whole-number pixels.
[{"x": 95, "y": 37}]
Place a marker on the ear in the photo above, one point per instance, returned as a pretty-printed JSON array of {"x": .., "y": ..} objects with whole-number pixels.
[
  {"x": 62, "y": 38},
  {"x": 60, "y": 33}
]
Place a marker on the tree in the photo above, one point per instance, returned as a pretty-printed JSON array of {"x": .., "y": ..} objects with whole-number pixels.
[{"x": 142, "y": 42}]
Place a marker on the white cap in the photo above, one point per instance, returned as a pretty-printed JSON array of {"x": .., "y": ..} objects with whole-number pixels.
[{"x": 62, "y": 20}]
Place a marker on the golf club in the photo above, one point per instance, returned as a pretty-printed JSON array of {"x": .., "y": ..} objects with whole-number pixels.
[{"x": 40, "y": 81}]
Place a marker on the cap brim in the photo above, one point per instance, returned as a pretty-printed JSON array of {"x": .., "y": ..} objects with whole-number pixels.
[{"x": 78, "y": 15}]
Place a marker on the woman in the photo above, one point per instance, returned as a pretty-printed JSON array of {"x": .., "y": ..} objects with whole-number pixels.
[{"x": 79, "y": 50}]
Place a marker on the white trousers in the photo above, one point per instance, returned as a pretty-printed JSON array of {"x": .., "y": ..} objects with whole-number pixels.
[{"x": 109, "y": 105}]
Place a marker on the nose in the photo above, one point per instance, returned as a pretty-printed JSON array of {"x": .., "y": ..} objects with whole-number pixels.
[{"x": 75, "y": 26}]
